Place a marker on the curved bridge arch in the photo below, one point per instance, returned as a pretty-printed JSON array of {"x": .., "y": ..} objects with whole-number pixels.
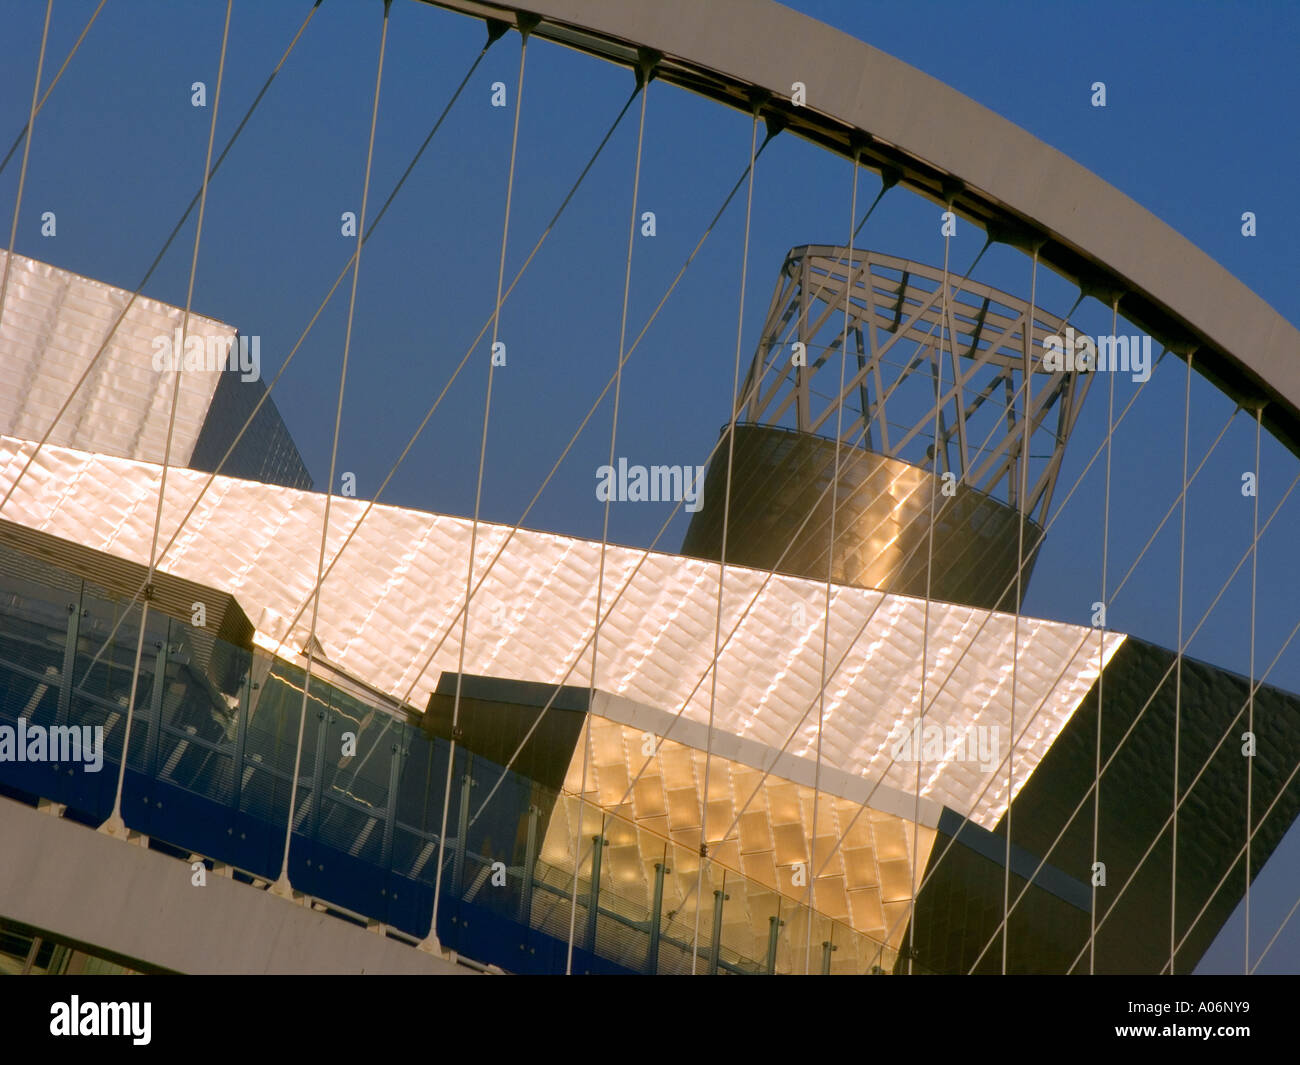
[{"x": 945, "y": 146}]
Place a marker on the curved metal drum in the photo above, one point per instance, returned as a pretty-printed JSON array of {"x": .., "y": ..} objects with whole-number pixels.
[{"x": 780, "y": 520}]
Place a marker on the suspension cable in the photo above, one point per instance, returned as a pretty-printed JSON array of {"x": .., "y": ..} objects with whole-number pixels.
[{"x": 283, "y": 885}]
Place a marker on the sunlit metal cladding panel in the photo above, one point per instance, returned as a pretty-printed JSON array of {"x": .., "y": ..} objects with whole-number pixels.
[
  {"x": 389, "y": 614},
  {"x": 780, "y": 519},
  {"x": 55, "y": 325}
]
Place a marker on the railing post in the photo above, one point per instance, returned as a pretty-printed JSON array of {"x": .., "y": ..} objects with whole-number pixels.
[
  {"x": 244, "y": 712},
  {"x": 390, "y": 809},
  {"x": 462, "y": 830},
  {"x": 652, "y": 956},
  {"x": 156, "y": 704},
  {"x": 593, "y": 896},
  {"x": 69, "y": 661},
  {"x": 313, "y": 818},
  {"x": 774, "y": 924},
  {"x": 530, "y": 863},
  {"x": 715, "y": 942}
]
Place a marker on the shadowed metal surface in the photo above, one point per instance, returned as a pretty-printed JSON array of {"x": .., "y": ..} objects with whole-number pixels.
[{"x": 959, "y": 910}]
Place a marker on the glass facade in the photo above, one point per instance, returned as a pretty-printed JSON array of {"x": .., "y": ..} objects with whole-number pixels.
[
  {"x": 29, "y": 952},
  {"x": 210, "y": 772}
]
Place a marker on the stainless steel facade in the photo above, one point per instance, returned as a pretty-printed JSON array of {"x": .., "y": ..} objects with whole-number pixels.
[{"x": 780, "y": 519}]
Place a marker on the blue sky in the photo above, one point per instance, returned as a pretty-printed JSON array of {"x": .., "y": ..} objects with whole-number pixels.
[{"x": 1199, "y": 127}]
